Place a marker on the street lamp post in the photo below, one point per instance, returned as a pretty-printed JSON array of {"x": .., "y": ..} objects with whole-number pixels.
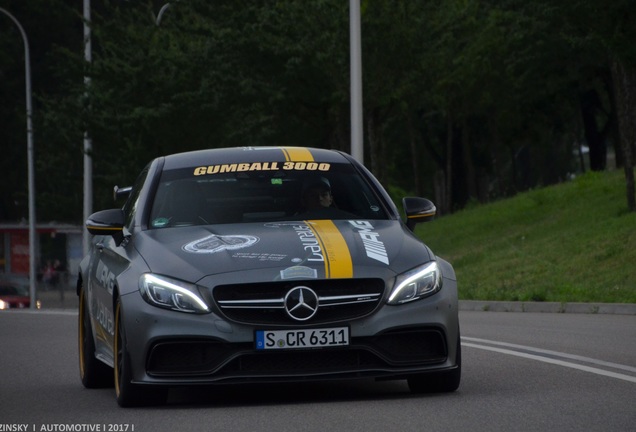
[
  {"x": 30, "y": 167},
  {"x": 160, "y": 14},
  {"x": 88, "y": 142},
  {"x": 357, "y": 149}
]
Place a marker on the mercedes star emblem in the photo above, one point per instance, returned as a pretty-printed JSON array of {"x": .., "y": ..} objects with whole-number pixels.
[{"x": 301, "y": 303}]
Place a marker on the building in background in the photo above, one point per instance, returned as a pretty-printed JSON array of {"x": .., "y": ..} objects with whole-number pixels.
[{"x": 58, "y": 253}]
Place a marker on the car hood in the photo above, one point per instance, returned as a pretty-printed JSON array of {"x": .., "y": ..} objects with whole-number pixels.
[{"x": 283, "y": 250}]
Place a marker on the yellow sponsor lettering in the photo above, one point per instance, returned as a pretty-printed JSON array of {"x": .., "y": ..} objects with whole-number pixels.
[
  {"x": 260, "y": 166},
  {"x": 306, "y": 166}
]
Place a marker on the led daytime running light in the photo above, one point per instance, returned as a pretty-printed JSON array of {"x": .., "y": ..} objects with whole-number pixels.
[
  {"x": 431, "y": 270},
  {"x": 173, "y": 290}
]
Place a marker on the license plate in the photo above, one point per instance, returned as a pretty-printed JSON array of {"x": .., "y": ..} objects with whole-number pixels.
[{"x": 305, "y": 338}]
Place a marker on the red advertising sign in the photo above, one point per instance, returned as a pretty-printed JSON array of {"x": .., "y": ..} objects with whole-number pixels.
[{"x": 20, "y": 252}]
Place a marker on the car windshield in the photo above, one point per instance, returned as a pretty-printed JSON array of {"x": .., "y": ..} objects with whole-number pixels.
[{"x": 262, "y": 194}]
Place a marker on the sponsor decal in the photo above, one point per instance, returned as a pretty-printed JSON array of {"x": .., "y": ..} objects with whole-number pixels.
[
  {"x": 323, "y": 243},
  {"x": 298, "y": 272},
  {"x": 370, "y": 240},
  {"x": 333, "y": 247},
  {"x": 215, "y": 243},
  {"x": 310, "y": 242},
  {"x": 260, "y": 256},
  {"x": 261, "y": 166},
  {"x": 280, "y": 224},
  {"x": 104, "y": 316},
  {"x": 105, "y": 276}
]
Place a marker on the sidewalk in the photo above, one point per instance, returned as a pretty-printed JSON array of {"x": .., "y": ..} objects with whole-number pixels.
[{"x": 68, "y": 300}]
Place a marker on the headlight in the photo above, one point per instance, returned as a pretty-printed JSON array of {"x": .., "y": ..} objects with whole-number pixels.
[
  {"x": 171, "y": 294},
  {"x": 415, "y": 284},
  {"x": 4, "y": 305}
]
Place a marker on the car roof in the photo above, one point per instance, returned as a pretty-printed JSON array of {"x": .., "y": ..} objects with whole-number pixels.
[{"x": 251, "y": 155}]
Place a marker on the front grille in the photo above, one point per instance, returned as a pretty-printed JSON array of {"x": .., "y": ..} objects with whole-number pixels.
[
  {"x": 215, "y": 360},
  {"x": 263, "y": 303}
]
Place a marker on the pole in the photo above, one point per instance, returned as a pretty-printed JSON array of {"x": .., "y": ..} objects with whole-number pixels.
[
  {"x": 160, "y": 14},
  {"x": 30, "y": 165},
  {"x": 88, "y": 143},
  {"x": 357, "y": 149}
]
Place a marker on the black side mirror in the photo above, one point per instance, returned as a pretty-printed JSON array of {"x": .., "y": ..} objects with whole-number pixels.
[
  {"x": 418, "y": 210},
  {"x": 121, "y": 192},
  {"x": 107, "y": 222}
]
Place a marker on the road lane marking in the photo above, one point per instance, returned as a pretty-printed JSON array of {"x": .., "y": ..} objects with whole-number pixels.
[
  {"x": 554, "y": 353},
  {"x": 547, "y": 356},
  {"x": 45, "y": 311}
]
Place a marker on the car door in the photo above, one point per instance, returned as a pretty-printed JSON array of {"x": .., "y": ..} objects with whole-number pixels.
[{"x": 110, "y": 257}]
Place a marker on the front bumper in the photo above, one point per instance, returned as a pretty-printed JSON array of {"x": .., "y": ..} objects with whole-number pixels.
[{"x": 174, "y": 348}]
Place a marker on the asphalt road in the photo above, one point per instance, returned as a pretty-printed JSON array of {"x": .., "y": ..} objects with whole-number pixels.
[{"x": 522, "y": 372}]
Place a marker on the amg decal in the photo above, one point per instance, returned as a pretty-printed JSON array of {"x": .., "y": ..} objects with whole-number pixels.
[
  {"x": 372, "y": 245},
  {"x": 105, "y": 276}
]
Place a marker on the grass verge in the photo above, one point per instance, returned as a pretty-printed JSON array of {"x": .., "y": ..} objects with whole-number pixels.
[{"x": 572, "y": 242}]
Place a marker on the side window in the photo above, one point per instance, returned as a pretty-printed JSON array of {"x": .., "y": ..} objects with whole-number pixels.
[{"x": 131, "y": 203}]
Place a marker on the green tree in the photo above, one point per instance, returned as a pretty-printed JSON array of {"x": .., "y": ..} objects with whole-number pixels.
[{"x": 464, "y": 100}]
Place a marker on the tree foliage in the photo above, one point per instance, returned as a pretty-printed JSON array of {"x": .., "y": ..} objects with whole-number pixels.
[{"x": 464, "y": 100}]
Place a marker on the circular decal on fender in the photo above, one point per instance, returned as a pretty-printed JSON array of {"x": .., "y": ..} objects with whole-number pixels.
[{"x": 216, "y": 243}]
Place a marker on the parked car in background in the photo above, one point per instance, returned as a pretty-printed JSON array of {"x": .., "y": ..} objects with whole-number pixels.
[{"x": 14, "y": 294}]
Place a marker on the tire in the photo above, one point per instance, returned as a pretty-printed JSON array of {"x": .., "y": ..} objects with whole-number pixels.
[
  {"x": 93, "y": 373},
  {"x": 438, "y": 382},
  {"x": 127, "y": 393}
]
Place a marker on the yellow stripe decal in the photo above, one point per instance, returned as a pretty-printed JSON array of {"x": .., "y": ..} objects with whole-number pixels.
[
  {"x": 338, "y": 262},
  {"x": 103, "y": 228},
  {"x": 297, "y": 154},
  {"x": 423, "y": 215}
]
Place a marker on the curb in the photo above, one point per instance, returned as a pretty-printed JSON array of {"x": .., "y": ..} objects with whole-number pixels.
[{"x": 548, "y": 307}]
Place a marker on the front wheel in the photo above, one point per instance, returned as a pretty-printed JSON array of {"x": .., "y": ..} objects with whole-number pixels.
[
  {"x": 129, "y": 394},
  {"x": 439, "y": 382}
]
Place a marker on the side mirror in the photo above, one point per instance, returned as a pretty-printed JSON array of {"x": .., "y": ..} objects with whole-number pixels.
[
  {"x": 107, "y": 222},
  {"x": 121, "y": 192},
  {"x": 418, "y": 210}
]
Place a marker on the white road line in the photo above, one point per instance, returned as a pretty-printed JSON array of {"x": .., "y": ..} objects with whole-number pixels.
[
  {"x": 44, "y": 311},
  {"x": 553, "y": 360},
  {"x": 554, "y": 353}
]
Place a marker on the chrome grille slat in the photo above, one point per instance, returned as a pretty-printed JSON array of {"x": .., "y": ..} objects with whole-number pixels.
[{"x": 263, "y": 303}]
